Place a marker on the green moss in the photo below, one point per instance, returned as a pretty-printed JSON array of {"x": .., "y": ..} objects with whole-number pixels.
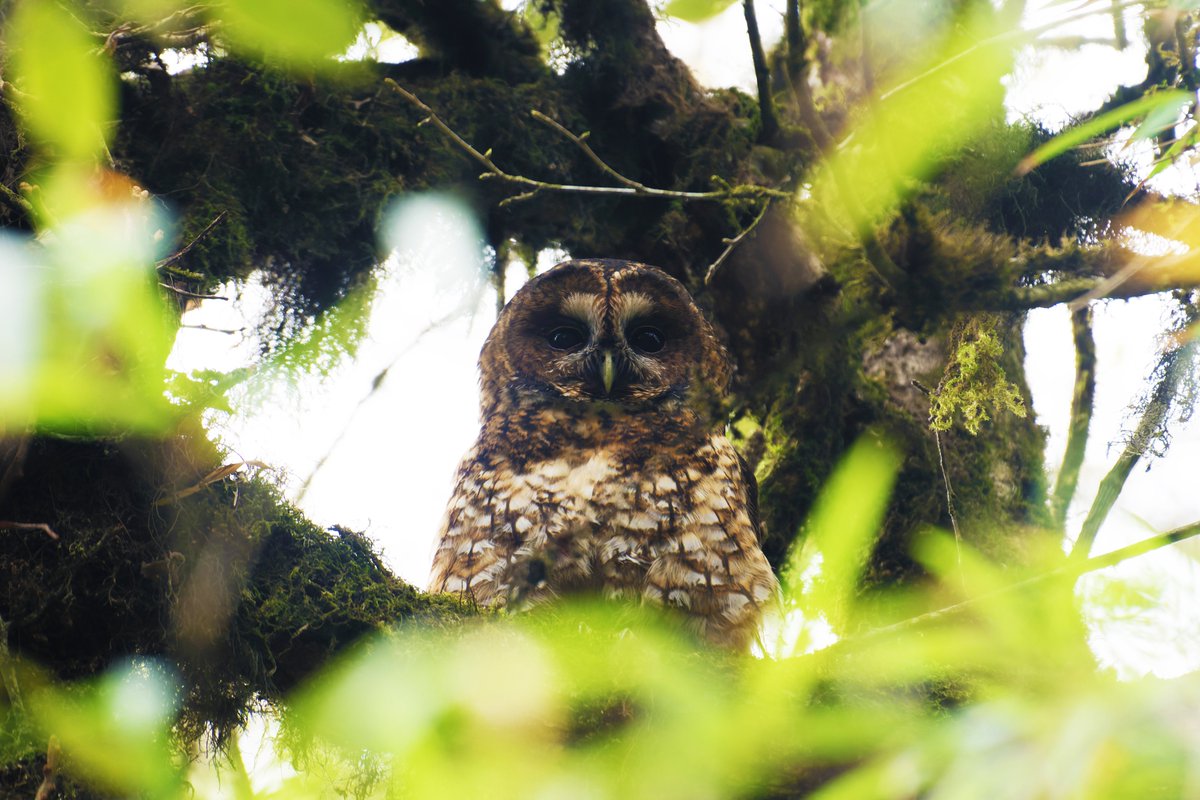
[
  {"x": 974, "y": 382},
  {"x": 229, "y": 583}
]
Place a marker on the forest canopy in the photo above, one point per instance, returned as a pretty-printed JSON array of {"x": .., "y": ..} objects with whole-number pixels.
[{"x": 868, "y": 230}]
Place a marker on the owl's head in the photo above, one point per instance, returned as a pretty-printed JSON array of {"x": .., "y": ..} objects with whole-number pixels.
[{"x": 600, "y": 330}]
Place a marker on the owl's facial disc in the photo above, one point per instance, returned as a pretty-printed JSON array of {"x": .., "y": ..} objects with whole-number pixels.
[{"x": 607, "y": 351}]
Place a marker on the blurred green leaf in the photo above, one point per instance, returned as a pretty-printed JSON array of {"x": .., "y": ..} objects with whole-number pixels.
[
  {"x": 697, "y": 10},
  {"x": 67, "y": 90},
  {"x": 1165, "y": 104},
  {"x": 823, "y": 570},
  {"x": 914, "y": 127},
  {"x": 117, "y": 729},
  {"x": 301, "y": 32},
  {"x": 1162, "y": 117},
  {"x": 95, "y": 335}
]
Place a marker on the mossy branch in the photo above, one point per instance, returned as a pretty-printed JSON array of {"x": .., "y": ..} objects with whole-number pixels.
[
  {"x": 1173, "y": 368},
  {"x": 1092, "y": 273},
  {"x": 1081, "y": 414},
  {"x": 630, "y": 187}
]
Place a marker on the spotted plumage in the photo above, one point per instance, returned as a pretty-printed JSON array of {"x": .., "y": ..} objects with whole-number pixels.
[{"x": 594, "y": 470}]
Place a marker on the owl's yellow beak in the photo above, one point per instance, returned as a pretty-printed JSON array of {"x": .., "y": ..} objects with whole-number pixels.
[{"x": 608, "y": 371}]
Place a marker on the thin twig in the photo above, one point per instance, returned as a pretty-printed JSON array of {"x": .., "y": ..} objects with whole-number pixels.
[
  {"x": 1081, "y": 415},
  {"x": 186, "y": 293},
  {"x": 169, "y": 260},
  {"x": 1071, "y": 569},
  {"x": 581, "y": 142},
  {"x": 211, "y": 329},
  {"x": 29, "y": 526},
  {"x": 937, "y": 438},
  {"x": 376, "y": 384},
  {"x": 630, "y": 188},
  {"x": 734, "y": 242}
]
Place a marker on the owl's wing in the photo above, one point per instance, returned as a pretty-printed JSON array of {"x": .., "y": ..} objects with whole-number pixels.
[{"x": 751, "y": 484}]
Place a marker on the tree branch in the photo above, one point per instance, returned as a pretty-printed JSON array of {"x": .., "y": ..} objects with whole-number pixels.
[
  {"x": 16, "y": 200},
  {"x": 1175, "y": 364},
  {"x": 169, "y": 260},
  {"x": 1081, "y": 414},
  {"x": 762, "y": 77},
  {"x": 630, "y": 188},
  {"x": 1071, "y": 569}
]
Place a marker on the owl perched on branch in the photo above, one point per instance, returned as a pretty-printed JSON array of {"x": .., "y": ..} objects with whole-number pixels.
[{"x": 594, "y": 470}]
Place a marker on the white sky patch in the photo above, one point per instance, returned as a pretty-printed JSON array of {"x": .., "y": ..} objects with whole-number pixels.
[
  {"x": 1055, "y": 84},
  {"x": 378, "y": 42},
  {"x": 718, "y": 49}
]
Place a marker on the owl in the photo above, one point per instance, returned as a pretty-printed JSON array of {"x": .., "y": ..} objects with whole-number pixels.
[{"x": 594, "y": 470}]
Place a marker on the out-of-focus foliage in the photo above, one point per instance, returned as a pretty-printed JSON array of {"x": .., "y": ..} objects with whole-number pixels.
[{"x": 993, "y": 698}]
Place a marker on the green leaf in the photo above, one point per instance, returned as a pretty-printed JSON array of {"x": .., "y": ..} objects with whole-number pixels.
[
  {"x": 300, "y": 32},
  {"x": 696, "y": 10},
  {"x": 841, "y": 530},
  {"x": 67, "y": 91},
  {"x": 1161, "y": 117},
  {"x": 1168, "y": 158},
  {"x": 1162, "y": 103},
  {"x": 116, "y": 729}
]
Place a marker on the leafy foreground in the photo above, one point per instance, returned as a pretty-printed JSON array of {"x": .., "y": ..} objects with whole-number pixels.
[{"x": 997, "y": 697}]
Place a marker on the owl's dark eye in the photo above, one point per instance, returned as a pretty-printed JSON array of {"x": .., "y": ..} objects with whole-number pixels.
[
  {"x": 566, "y": 337},
  {"x": 647, "y": 339}
]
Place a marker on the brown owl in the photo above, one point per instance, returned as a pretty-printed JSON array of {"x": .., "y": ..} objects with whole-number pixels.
[{"x": 593, "y": 470}]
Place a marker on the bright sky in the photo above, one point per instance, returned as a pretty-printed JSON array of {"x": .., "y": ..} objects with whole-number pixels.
[{"x": 390, "y": 455}]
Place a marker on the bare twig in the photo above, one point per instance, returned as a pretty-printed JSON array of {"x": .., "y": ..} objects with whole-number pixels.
[
  {"x": 186, "y": 293},
  {"x": 169, "y": 260},
  {"x": 1071, "y": 569},
  {"x": 227, "y": 331},
  {"x": 734, "y": 242},
  {"x": 219, "y": 474},
  {"x": 1081, "y": 415},
  {"x": 630, "y": 188},
  {"x": 581, "y": 142},
  {"x": 29, "y": 526},
  {"x": 376, "y": 384}
]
